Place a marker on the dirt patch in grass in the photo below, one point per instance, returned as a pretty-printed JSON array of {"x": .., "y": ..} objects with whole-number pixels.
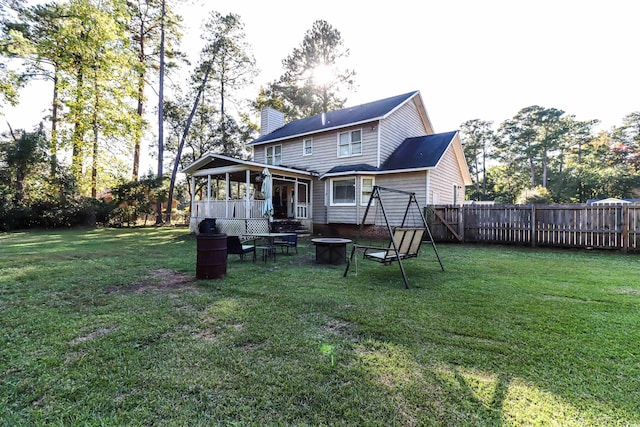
[
  {"x": 629, "y": 291},
  {"x": 158, "y": 280},
  {"x": 92, "y": 335}
]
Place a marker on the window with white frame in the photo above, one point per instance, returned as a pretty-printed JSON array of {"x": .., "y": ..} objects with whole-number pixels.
[
  {"x": 307, "y": 147},
  {"x": 274, "y": 155},
  {"x": 343, "y": 192},
  {"x": 366, "y": 188},
  {"x": 350, "y": 143}
]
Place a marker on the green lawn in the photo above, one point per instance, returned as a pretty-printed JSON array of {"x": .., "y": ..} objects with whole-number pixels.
[{"x": 109, "y": 327}]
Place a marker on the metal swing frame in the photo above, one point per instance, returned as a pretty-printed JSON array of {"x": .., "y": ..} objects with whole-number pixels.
[{"x": 404, "y": 242}]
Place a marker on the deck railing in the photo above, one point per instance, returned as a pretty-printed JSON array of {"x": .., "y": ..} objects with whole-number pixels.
[{"x": 237, "y": 209}]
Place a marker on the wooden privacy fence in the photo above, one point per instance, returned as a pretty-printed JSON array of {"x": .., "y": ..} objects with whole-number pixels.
[{"x": 571, "y": 225}]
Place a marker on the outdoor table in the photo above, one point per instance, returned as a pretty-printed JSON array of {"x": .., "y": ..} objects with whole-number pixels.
[
  {"x": 331, "y": 250},
  {"x": 269, "y": 250}
]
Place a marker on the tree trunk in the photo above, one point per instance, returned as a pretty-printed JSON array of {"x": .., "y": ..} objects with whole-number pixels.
[
  {"x": 484, "y": 171},
  {"x": 140, "y": 108},
  {"x": 54, "y": 123},
  {"x": 77, "y": 157},
  {"x": 186, "y": 132},
  {"x": 544, "y": 168},
  {"x": 533, "y": 173},
  {"x": 160, "y": 116}
]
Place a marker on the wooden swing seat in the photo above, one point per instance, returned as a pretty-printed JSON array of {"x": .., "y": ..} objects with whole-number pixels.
[
  {"x": 405, "y": 244},
  {"x": 404, "y": 241}
]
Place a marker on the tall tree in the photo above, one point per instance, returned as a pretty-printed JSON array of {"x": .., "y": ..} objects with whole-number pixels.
[
  {"x": 227, "y": 59},
  {"x": 478, "y": 139},
  {"x": 573, "y": 148},
  {"x": 315, "y": 76},
  {"x": 533, "y": 135},
  {"x": 233, "y": 69},
  {"x": 45, "y": 56},
  {"x": 161, "y": 113},
  {"x": 626, "y": 141},
  {"x": 145, "y": 27},
  {"x": 98, "y": 55},
  {"x": 10, "y": 80},
  {"x": 19, "y": 157}
]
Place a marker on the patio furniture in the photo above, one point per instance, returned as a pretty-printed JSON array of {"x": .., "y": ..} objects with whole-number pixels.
[
  {"x": 237, "y": 247},
  {"x": 405, "y": 240},
  {"x": 286, "y": 242},
  {"x": 269, "y": 248},
  {"x": 331, "y": 250}
]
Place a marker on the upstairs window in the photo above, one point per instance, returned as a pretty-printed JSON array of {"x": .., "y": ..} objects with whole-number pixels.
[
  {"x": 307, "y": 147},
  {"x": 274, "y": 155},
  {"x": 350, "y": 143}
]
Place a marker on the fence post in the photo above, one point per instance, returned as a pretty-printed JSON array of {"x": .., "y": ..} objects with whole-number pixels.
[
  {"x": 461, "y": 222},
  {"x": 532, "y": 226},
  {"x": 625, "y": 229}
]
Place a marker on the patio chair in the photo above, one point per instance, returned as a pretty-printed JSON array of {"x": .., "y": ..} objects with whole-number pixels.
[
  {"x": 287, "y": 242},
  {"x": 237, "y": 247}
]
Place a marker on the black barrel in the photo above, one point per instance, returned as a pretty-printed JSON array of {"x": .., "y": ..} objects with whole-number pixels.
[
  {"x": 212, "y": 256},
  {"x": 208, "y": 226}
]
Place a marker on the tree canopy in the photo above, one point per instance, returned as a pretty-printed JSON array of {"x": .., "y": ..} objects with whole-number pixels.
[
  {"x": 101, "y": 58},
  {"x": 315, "y": 78}
]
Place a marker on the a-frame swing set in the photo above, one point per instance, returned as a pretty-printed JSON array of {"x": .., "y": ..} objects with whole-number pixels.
[{"x": 405, "y": 240}]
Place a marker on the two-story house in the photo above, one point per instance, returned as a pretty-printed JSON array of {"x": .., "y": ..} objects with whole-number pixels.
[{"x": 325, "y": 166}]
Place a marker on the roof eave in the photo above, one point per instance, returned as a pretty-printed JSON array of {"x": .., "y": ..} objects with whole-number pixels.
[
  {"x": 189, "y": 170},
  {"x": 382, "y": 172}
]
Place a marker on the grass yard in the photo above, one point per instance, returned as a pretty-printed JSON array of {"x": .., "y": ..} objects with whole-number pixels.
[{"x": 109, "y": 327}]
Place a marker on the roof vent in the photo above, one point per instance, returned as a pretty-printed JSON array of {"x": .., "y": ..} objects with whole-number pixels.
[{"x": 270, "y": 120}]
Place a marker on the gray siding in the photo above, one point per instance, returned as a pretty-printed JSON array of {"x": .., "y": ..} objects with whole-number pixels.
[
  {"x": 394, "y": 203},
  {"x": 258, "y": 154},
  {"x": 401, "y": 124},
  {"x": 325, "y": 150},
  {"x": 443, "y": 179},
  {"x": 318, "y": 197}
]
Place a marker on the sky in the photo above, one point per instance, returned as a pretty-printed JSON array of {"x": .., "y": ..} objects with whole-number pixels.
[{"x": 470, "y": 59}]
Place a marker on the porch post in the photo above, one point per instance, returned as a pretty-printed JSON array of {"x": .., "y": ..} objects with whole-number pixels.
[
  {"x": 208, "y": 210},
  {"x": 193, "y": 221},
  {"x": 227, "y": 186},
  {"x": 192, "y": 189},
  {"x": 310, "y": 201},
  {"x": 247, "y": 202},
  {"x": 295, "y": 199}
]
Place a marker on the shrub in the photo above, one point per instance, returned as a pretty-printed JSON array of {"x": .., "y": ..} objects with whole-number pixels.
[{"x": 538, "y": 195}]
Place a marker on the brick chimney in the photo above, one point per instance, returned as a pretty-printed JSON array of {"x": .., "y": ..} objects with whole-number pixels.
[{"x": 270, "y": 120}]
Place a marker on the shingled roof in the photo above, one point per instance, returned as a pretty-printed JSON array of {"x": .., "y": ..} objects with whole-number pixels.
[
  {"x": 350, "y": 116},
  {"x": 420, "y": 152}
]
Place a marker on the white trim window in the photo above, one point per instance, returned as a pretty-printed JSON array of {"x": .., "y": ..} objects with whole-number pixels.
[
  {"x": 307, "y": 146},
  {"x": 366, "y": 189},
  {"x": 350, "y": 143},
  {"x": 343, "y": 192},
  {"x": 274, "y": 155}
]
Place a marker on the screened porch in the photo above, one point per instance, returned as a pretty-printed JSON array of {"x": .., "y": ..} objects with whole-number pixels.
[{"x": 226, "y": 188}]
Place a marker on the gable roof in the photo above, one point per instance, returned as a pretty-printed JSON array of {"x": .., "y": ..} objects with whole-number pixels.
[
  {"x": 416, "y": 153},
  {"x": 225, "y": 164},
  {"x": 350, "y": 116}
]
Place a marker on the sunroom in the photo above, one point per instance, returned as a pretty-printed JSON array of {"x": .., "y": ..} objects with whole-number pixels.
[{"x": 232, "y": 191}]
